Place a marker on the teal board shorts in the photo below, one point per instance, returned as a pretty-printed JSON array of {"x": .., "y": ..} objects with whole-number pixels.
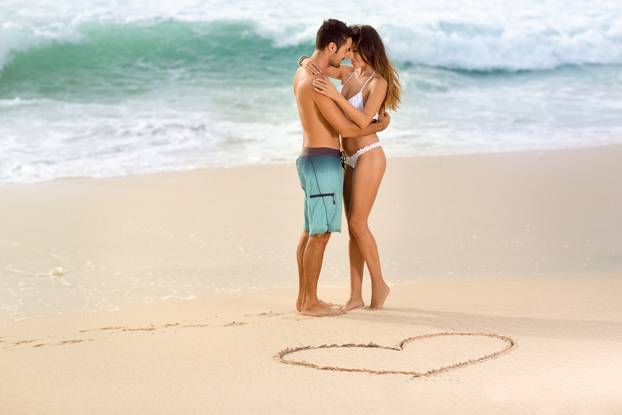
[{"x": 320, "y": 170}]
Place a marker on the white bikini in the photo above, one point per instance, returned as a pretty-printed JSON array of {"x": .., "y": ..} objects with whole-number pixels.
[{"x": 357, "y": 101}]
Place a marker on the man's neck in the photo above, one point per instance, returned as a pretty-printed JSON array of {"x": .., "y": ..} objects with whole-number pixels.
[{"x": 320, "y": 59}]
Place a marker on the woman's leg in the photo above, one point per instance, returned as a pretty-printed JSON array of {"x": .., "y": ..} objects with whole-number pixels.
[
  {"x": 357, "y": 263},
  {"x": 366, "y": 180}
]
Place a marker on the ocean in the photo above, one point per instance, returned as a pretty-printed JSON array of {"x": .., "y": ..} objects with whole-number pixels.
[{"x": 101, "y": 89}]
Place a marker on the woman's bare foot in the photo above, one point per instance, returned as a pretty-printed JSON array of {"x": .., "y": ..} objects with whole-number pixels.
[
  {"x": 379, "y": 296},
  {"x": 354, "y": 303},
  {"x": 321, "y": 310}
]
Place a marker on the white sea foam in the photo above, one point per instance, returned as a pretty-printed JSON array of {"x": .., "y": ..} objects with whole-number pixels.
[{"x": 485, "y": 35}]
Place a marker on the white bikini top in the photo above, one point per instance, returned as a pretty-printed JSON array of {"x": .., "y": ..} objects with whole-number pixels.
[{"x": 357, "y": 99}]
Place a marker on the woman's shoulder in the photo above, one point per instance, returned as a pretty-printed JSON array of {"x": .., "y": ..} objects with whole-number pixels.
[{"x": 377, "y": 81}]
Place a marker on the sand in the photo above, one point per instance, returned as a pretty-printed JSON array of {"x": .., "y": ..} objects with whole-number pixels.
[{"x": 521, "y": 251}]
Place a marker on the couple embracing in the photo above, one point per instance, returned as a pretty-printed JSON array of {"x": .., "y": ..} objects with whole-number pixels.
[{"x": 342, "y": 160}]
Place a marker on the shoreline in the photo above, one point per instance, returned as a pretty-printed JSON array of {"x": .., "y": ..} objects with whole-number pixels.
[{"x": 251, "y": 165}]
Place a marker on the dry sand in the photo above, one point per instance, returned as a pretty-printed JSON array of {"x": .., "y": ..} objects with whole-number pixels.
[{"x": 522, "y": 245}]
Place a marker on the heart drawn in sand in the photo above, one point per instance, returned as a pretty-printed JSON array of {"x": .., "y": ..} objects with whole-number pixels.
[{"x": 281, "y": 356}]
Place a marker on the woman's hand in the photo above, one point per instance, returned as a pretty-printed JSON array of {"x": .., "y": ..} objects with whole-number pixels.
[
  {"x": 310, "y": 67},
  {"x": 326, "y": 87}
]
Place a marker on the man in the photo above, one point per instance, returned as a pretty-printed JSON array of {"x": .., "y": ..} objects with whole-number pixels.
[{"x": 320, "y": 166}]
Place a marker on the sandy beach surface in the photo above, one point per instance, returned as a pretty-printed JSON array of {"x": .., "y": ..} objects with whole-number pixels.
[{"x": 513, "y": 259}]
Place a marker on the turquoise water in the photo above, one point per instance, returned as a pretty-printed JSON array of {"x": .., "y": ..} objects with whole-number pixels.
[
  {"x": 115, "y": 62},
  {"x": 122, "y": 89}
]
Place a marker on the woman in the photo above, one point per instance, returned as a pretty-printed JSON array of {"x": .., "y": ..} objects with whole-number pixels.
[{"x": 372, "y": 85}]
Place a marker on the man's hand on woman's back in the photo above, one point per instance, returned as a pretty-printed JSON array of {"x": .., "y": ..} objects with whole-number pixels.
[{"x": 384, "y": 120}]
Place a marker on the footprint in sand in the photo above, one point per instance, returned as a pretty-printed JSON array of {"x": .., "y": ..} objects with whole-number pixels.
[
  {"x": 20, "y": 342},
  {"x": 235, "y": 323},
  {"x": 119, "y": 329},
  {"x": 64, "y": 342},
  {"x": 267, "y": 314}
]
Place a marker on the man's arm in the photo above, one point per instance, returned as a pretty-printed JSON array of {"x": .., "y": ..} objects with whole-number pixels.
[
  {"x": 347, "y": 129},
  {"x": 341, "y": 73}
]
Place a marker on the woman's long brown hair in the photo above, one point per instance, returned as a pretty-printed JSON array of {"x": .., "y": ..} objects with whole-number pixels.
[{"x": 371, "y": 49}]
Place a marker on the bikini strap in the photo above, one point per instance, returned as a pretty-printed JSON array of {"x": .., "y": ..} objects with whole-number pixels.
[{"x": 367, "y": 80}]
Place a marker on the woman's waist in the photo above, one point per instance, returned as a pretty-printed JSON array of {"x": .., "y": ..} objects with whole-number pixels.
[{"x": 351, "y": 145}]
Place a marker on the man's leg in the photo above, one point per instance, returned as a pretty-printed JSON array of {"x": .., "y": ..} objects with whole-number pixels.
[
  {"x": 312, "y": 265},
  {"x": 302, "y": 244}
]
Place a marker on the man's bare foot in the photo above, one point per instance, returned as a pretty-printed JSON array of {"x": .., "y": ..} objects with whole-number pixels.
[
  {"x": 323, "y": 303},
  {"x": 319, "y": 310},
  {"x": 378, "y": 297},
  {"x": 354, "y": 303}
]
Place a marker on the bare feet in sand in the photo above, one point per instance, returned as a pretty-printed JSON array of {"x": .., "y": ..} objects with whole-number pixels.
[
  {"x": 325, "y": 303},
  {"x": 321, "y": 310},
  {"x": 354, "y": 303},
  {"x": 299, "y": 301},
  {"x": 379, "y": 296}
]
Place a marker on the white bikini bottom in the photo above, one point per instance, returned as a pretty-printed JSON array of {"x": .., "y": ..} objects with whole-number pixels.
[{"x": 351, "y": 160}]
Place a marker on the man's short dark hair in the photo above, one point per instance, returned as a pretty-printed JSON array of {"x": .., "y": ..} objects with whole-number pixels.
[{"x": 332, "y": 30}]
